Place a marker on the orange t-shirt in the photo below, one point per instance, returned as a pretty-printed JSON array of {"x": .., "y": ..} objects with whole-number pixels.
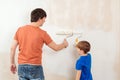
[{"x": 30, "y": 40}]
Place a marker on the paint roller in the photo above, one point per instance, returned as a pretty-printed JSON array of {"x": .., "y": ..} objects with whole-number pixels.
[
  {"x": 70, "y": 34},
  {"x": 67, "y": 33}
]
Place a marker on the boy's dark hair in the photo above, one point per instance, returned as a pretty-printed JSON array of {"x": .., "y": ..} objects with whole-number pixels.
[
  {"x": 37, "y": 14},
  {"x": 84, "y": 45}
]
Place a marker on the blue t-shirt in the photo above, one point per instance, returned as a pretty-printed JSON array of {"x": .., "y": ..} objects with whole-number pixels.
[{"x": 84, "y": 64}]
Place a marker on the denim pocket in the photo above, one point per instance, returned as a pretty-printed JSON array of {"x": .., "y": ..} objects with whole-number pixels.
[
  {"x": 31, "y": 72},
  {"x": 22, "y": 71}
]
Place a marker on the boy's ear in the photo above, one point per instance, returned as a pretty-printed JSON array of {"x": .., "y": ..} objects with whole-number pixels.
[{"x": 78, "y": 49}]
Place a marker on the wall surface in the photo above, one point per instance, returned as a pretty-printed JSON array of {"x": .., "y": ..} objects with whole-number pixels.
[{"x": 98, "y": 20}]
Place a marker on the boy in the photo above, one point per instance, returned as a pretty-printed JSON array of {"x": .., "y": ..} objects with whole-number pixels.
[{"x": 83, "y": 64}]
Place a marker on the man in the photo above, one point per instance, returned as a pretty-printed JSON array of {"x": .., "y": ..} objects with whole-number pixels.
[{"x": 30, "y": 39}]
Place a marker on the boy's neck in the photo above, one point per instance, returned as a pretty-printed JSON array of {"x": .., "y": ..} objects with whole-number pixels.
[{"x": 84, "y": 54}]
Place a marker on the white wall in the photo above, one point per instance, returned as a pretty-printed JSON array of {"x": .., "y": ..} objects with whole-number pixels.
[{"x": 97, "y": 19}]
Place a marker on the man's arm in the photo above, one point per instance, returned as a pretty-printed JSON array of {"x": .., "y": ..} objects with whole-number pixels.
[
  {"x": 12, "y": 56},
  {"x": 58, "y": 47},
  {"x": 78, "y": 74}
]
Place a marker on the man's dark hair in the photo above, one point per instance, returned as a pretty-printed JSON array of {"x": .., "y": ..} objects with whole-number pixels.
[
  {"x": 84, "y": 45},
  {"x": 37, "y": 14}
]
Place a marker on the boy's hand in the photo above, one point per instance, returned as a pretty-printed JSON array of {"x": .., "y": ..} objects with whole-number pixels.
[{"x": 13, "y": 68}]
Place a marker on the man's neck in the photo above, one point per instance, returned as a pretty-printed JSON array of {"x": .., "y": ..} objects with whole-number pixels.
[{"x": 35, "y": 24}]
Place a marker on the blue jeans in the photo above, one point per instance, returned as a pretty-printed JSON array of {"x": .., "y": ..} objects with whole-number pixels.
[{"x": 30, "y": 72}]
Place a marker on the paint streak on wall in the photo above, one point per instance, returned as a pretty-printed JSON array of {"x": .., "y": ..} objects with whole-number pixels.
[
  {"x": 85, "y": 13},
  {"x": 116, "y": 20},
  {"x": 117, "y": 59}
]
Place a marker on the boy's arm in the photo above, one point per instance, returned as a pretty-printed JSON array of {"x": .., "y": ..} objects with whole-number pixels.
[
  {"x": 78, "y": 74},
  {"x": 12, "y": 56}
]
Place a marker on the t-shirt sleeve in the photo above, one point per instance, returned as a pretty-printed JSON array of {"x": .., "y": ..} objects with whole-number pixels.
[
  {"x": 79, "y": 64},
  {"x": 47, "y": 38},
  {"x": 16, "y": 35}
]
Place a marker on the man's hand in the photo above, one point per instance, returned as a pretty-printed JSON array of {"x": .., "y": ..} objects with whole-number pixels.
[
  {"x": 65, "y": 43},
  {"x": 13, "y": 68}
]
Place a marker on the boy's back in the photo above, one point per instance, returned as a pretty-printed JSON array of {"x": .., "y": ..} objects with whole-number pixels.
[{"x": 84, "y": 64}]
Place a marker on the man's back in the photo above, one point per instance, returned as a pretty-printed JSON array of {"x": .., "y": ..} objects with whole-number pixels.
[{"x": 30, "y": 40}]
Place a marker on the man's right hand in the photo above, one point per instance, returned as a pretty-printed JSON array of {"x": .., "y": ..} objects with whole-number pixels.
[{"x": 65, "y": 43}]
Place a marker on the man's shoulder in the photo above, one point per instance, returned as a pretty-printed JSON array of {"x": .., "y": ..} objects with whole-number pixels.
[{"x": 24, "y": 26}]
